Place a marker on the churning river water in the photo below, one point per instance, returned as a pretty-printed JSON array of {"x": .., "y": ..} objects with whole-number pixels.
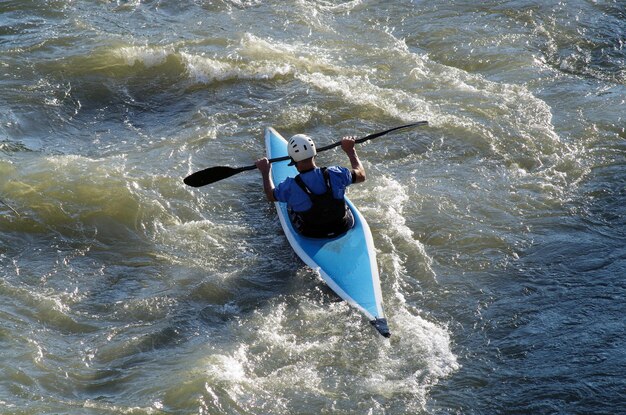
[{"x": 500, "y": 228}]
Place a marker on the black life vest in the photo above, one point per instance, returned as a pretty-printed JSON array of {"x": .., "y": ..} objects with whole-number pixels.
[{"x": 327, "y": 218}]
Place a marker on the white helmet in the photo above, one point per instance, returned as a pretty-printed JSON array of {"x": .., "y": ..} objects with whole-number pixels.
[{"x": 300, "y": 147}]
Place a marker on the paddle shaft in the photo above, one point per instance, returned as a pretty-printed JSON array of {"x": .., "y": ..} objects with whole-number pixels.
[{"x": 214, "y": 174}]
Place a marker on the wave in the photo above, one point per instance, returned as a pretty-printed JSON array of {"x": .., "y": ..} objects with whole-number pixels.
[
  {"x": 144, "y": 55},
  {"x": 304, "y": 365},
  {"x": 78, "y": 194},
  {"x": 175, "y": 63},
  {"x": 485, "y": 111},
  {"x": 415, "y": 96},
  {"x": 118, "y": 61},
  {"x": 208, "y": 71}
]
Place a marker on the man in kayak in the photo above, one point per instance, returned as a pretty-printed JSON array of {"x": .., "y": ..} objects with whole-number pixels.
[{"x": 315, "y": 197}]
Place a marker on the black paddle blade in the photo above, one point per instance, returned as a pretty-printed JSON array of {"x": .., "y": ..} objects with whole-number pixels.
[{"x": 210, "y": 175}]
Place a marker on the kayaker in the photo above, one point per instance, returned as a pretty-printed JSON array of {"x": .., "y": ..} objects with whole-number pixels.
[{"x": 315, "y": 197}]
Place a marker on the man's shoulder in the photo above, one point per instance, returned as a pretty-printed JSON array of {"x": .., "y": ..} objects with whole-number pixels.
[
  {"x": 337, "y": 169},
  {"x": 285, "y": 185},
  {"x": 341, "y": 175}
]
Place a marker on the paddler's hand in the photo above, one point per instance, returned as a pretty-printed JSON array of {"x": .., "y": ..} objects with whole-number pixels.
[
  {"x": 358, "y": 171},
  {"x": 347, "y": 144},
  {"x": 265, "y": 168},
  {"x": 263, "y": 165}
]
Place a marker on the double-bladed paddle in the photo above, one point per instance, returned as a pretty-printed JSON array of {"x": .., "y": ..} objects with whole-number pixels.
[{"x": 214, "y": 174}]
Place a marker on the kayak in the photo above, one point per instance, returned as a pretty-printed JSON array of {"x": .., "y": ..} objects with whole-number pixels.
[{"x": 346, "y": 263}]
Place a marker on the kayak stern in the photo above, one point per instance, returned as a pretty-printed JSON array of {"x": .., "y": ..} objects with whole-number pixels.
[{"x": 381, "y": 325}]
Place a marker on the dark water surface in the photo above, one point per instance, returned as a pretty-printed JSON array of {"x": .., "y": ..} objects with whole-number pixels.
[{"x": 500, "y": 229}]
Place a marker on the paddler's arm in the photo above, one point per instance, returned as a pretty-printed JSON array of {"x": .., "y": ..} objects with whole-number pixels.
[
  {"x": 265, "y": 168},
  {"x": 358, "y": 171}
]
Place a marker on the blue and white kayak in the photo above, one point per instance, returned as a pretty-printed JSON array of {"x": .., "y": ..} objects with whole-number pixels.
[{"x": 346, "y": 263}]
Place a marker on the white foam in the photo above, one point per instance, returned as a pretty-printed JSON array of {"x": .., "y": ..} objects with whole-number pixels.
[
  {"x": 148, "y": 56},
  {"x": 257, "y": 59},
  {"x": 287, "y": 351},
  {"x": 344, "y": 7},
  {"x": 418, "y": 357},
  {"x": 360, "y": 91},
  {"x": 206, "y": 70},
  {"x": 229, "y": 368},
  {"x": 389, "y": 215}
]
